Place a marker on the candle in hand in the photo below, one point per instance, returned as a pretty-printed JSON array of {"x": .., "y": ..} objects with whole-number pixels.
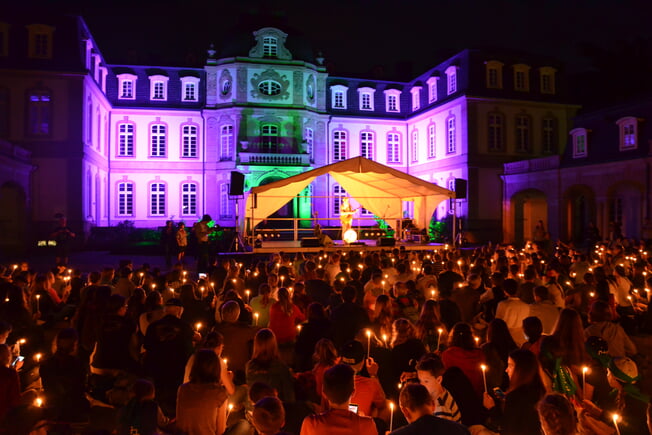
[
  {"x": 584, "y": 370},
  {"x": 198, "y": 326},
  {"x": 616, "y": 418},
  {"x": 368, "y": 332},
  {"x": 256, "y": 318},
  {"x": 391, "y": 415},
  {"x": 484, "y": 376}
]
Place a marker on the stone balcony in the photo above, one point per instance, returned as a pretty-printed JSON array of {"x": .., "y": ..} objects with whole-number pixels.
[
  {"x": 270, "y": 159},
  {"x": 532, "y": 165}
]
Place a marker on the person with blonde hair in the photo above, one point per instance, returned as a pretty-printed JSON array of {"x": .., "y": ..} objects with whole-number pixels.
[{"x": 557, "y": 415}]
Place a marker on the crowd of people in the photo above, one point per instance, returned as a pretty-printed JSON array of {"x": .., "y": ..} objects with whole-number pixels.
[{"x": 453, "y": 341}]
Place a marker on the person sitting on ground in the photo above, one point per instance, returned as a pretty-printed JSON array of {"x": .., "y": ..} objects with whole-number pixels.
[
  {"x": 430, "y": 370},
  {"x": 368, "y": 394},
  {"x": 141, "y": 415},
  {"x": 557, "y": 415},
  {"x": 338, "y": 389},
  {"x": 268, "y": 416},
  {"x": 418, "y": 407}
]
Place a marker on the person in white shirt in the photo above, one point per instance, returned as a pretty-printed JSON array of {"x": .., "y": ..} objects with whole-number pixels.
[
  {"x": 544, "y": 309},
  {"x": 513, "y": 310}
]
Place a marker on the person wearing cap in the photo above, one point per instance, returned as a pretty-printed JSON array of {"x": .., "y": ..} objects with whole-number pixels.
[
  {"x": 418, "y": 407},
  {"x": 168, "y": 345},
  {"x": 339, "y": 386},
  {"x": 630, "y": 403},
  {"x": 369, "y": 394}
]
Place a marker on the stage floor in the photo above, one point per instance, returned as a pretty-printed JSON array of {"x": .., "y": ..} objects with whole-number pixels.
[{"x": 292, "y": 246}]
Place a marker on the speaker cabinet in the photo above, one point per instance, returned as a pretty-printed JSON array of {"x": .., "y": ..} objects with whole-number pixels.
[
  {"x": 460, "y": 188},
  {"x": 386, "y": 241},
  {"x": 310, "y": 242},
  {"x": 236, "y": 187}
]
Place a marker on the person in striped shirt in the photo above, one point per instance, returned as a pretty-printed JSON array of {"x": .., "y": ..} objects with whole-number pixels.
[{"x": 430, "y": 370}]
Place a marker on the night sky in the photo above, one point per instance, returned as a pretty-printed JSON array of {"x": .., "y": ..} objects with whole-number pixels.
[{"x": 598, "y": 41}]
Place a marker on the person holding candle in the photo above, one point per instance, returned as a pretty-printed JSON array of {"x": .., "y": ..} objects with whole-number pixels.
[
  {"x": 463, "y": 353},
  {"x": 418, "y": 407},
  {"x": 601, "y": 325},
  {"x": 339, "y": 420},
  {"x": 517, "y": 413},
  {"x": 262, "y": 303},
  {"x": 428, "y": 327},
  {"x": 382, "y": 316},
  {"x": 238, "y": 339},
  {"x": 406, "y": 347},
  {"x": 284, "y": 317},
  {"x": 368, "y": 394}
]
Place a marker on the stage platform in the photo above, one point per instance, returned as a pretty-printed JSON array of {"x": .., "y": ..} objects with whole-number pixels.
[{"x": 293, "y": 246}]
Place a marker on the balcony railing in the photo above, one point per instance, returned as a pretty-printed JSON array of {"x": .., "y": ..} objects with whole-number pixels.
[
  {"x": 274, "y": 159},
  {"x": 532, "y": 165}
]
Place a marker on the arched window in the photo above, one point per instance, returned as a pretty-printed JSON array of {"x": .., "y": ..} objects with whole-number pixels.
[
  {"x": 189, "y": 199},
  {"x": 269, "y": 138}
]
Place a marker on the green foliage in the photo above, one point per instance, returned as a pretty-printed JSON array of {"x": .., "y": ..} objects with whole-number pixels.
[{"x": 436, "y": 230}]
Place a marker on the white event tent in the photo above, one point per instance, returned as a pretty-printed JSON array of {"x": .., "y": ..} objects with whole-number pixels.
[{"x": 378, "y": 188}]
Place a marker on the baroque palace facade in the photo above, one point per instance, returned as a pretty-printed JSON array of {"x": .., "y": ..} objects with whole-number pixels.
[{"x": 104, "y": 143}]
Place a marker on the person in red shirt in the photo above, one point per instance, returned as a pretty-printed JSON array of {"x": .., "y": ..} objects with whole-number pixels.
[
  {"x": 339, "y": 420},
  {"x": 284, "y": 317},
  {"x": 369, "y": 394},
  {"x": 463, "y": 353}
]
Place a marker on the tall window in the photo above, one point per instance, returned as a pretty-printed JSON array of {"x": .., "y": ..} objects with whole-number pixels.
[
  {"x": 338, "y": 194},
  {"x": 270, "y": 46},
  {"x": 338, "y": 100},
  {"x": 40, "y": 113},
  {"x": 415, "y": 145},
  {"x": 125, "y": 139},
  {"x": 450, "y": 135},
  {"x": 451, "y": 78},
  {"x": 432, "y": 89},
  {"x": 393, "y": 148},
  {"x": 365, "y": 101},
  {"x": 494, "y": 70},
  {"x": 432, "y": 142},
  {"x": 127, "y": 89},
  {"x": 392, "y": 103},
  {"x": 495, "y": 133},
  {"x": 521, "y": 77},
  {"x": 628, "y": 135},
  {"x": 492, "y": 78},
  {"x": 41, "y": 44},
  {"x": 547, "y": 75},
  {"x": 269, "y": 138},
  {"x": 226, "y": 203},
  {"x": 89, "y": 124},
  {"x": 226, "y": 142},
  {"x": 309, "y": 138},
  {"x": 157, "y": 140},
  {"x": 580, "y": 143},
  {"x": 189, "y": 141},
  {"x": 159, "y": 91},
  {"x": 157, "y": 199},
  {"x": 549, "y": 135},
  {"x": 367, "y": 144},
  {"x": 190, "y": 92},
  {"x": 339, "y": 145},
  {"x": 416, "y": 98},
  {"x": 125, "y": 198},
  {"x": 522, "y": 133},
  {"x": 188, "y": 199}
]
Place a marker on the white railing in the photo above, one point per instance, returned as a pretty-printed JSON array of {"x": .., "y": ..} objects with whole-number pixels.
[{"x": 274, "y": 159}]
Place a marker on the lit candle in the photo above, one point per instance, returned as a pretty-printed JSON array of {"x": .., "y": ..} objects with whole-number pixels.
[
  {"x": 432, "y": 293},
  {"x": 213, "y": 285},
  {"x": 592, "y": 294},
  {"x": 477, "y": 340},
  {"x": 198, "y": 326},
  {"x": 368, "y": 332},
  {"x": 484, "y": 376},
  {"x": 385, "y": 339},
  {"x": 256, "y": 318},
  {"x": 391, "y": 415},
  {"x": 584, "y": 370},
  {"x": 38, "y": 297},
  {"x": 225, "y": 361},
  {"x": 299, "y": 328},
  {"x": 615, "y": 418},
  {"x": 38, "y": 357},
  {"x": 230, "y": 408},
  {"x": 38, "y": 402},
  {"x": 629, "y": 298},
  {"x": 248, "y": 294},
  {"x": 440, "y": 331}
]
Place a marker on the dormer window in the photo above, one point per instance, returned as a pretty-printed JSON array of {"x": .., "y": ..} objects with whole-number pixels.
[
  {"x": 580, "y": 143},
  {"x": 270, "y": 46},
  {"x": 432, "y": 89},
  {"x": 158, "y": 88},
  {"x": 392, "y": 100},
  {"x": 451, "y": 79},
  {"x": 127, "y": 87},
  {"x": 494, "y": 70},
  {"x": 189, "y": 88},
  {"x": 628, "y": 133},
  {"x": 40, "y": 41},
  {"x": 338, "y": 96},
  {"x": 366, "y": 98},
  {"x": 416, "y": 97},
  {"x": 547, "y": 76},
  {"x": 521, "y": 78}
]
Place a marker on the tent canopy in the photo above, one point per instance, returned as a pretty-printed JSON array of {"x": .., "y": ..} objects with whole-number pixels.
[{"x": 378, "y": 188}]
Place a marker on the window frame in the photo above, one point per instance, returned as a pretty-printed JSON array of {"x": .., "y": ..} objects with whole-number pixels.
[
  {"x": 158, "y": 134},
  {"x": 522, "y": 133},
  {"x": 451, "y": 135},
  {"x": 366, "y": 92},
  {"x": 393, "y": 139},
  {"x": 495, "y": 132},
  {"x": 42, "y": 107},
  {"x": 35, "y": 32},
  {"x": 338, "y": 194},
  {"x": 432, "y": 140},
  {"x": 185, "y": 83},
  {"x": 627, "y": 123},
  {"x": 270, "y": 47},
  {"x": 451, "y": 79},
  {"x": 549, "y": 131},
  {"x": 392, "y": 100},
  {"x": 525, "y": 71},
  {"x": 270, "y": 130},
  {"x": 190, "y": 147},
  {"x": 497, "y": 67},
  {"x": 368, "y": 143},
  {"x": 226, "y": 203},
  {"x": 190, "y": 196},
  {"x": 124, "y": 79},
  {"x": 159, "y": 194},
  {"x": 226, "y": 149},
  {"x": 154, "y": 82},
  {"x": 416, "y": 98},
  {"x": 340, "y": 144},
  {"x": 119, "y": 135},
  {"x": 128, "y": 196},
  {"x": 432, "y": 83},
  {"x": 342, "y": 91},
  {"x": 309, "y": 140},
  {"x": 549, "y": 73},
  {"x": 576, "y": 135},
  {"x": 414, "y": 145}
]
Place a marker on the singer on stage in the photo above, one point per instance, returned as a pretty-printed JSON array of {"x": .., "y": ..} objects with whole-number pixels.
[{"x": 346, "y": 215}]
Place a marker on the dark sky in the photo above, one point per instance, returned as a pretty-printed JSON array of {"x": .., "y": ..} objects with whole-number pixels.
[{"x": 405, "y": 37}]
